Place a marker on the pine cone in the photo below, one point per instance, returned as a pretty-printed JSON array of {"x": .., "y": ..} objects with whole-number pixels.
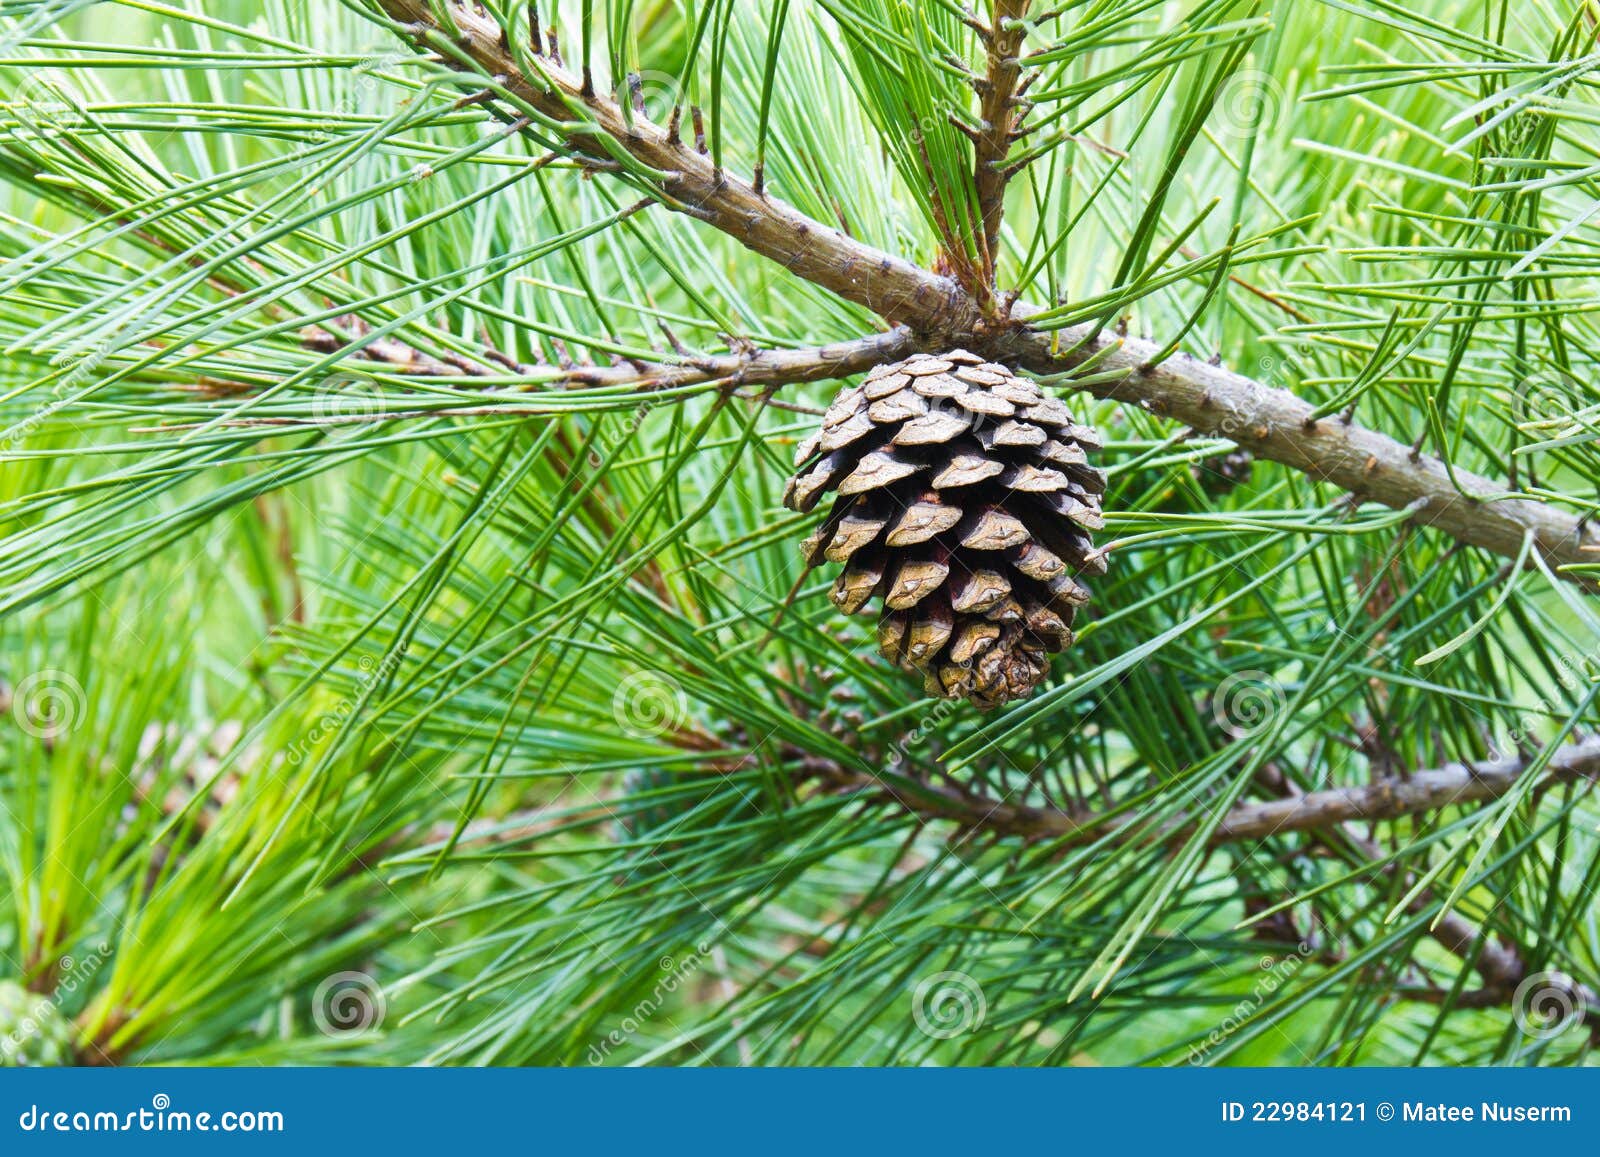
[
  {"x": 964, "y": 498},
  {"x": 33, "y": 1031}
]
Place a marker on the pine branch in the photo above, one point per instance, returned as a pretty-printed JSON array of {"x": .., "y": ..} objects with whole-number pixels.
[
  {"x": 998, "y": 101},
  {"x": 1500, "y": 967},
  {"x": 762, "y": 367},
  {"x": 1276, "y": 424},
  {"x": 1390, "y": 798},
  {"x": 755, "y": 367},
  {"x": 891, "y": 286},
  {"x": 1272, "y": 423}
]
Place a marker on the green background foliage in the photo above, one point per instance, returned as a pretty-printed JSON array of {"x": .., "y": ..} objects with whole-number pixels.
[{"x": 483, "y": 692}]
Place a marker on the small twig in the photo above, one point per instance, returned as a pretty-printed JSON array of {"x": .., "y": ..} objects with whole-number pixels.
[
  {"x": 750, "y": 367},
  {"x": 1423, "y": 791},
  {"x": 1394, "y": 797},
  {"x": 998, "y": 110}
]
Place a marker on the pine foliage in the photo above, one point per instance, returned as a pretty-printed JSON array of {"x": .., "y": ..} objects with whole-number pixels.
[{"x": 397, "y": 672}]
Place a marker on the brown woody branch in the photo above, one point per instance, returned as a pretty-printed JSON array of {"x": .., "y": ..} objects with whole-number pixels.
[
  {"x": 1324, "y": 814},
  {"x": 1276, "y": 424},
  {"x": 755, "y": 367},
  {"x": 891, "y": 286},
  {"x": 1423, "y": 791},
  {"x": 1272, "y": 423},
  {"x": 1383, "y": 799},
  {"x": 998, "y": 103}
]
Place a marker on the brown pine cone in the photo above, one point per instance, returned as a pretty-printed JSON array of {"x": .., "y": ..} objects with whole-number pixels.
[{"x": 964, "y": 498}]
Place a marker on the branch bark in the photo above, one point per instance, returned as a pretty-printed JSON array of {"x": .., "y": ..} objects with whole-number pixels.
[
  {"x": 997, "y": 106},
  {"x": 1272, "y": 423},
  {"x": 891, "y": 286},
  {"x": 1390, "y": 798},
  {"x": 776, "y": 367},
  {"x": 1275, "y": 424}
]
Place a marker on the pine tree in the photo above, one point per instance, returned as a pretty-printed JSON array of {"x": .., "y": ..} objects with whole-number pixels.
[{"x": 407, "y": 655}]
